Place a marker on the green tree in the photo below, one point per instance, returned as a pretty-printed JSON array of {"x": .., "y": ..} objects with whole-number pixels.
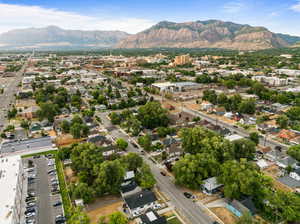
[
  {"x": 152, "y": 115},
  {"x": 244, "y": 148},
  {"x": 65, "y": 126},
  {"x": 132, "y": 161},
  {"x": 146, "y": 142},
  {"x": 77, "y": 216},
  {"x": 199, "y": 140},
  {"x": 191, "y": 170},
  {"x": 282, "y": 121},
  {"x": 12, "y": 113},
  {"x": 122, "y": 144},
  {"x": 294, "y": 151},
  {"x": 243, "y": 178},
  {"x": 247, "y": 218},
  {"x": 115, "y": 118},
  {"x": 48, "y": 111},
  {"x": 110, "y": 175},
  {"x": 247, "y": 107},
  {"x": 254, "y": 137},
  {"x": 118, "y": 218},
  {"x": 145, "y": 177},
  {"x": 25, "y": 124},
  {"x": 75, "y": 130},
  {"x": 283, "y": 206},
  {"x": 83, "y": 191}
]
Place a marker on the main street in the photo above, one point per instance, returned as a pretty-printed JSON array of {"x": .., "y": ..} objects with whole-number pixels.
[
  {"x": 8, "y": 96},
  {"x": 263, "y": 140},
  {"x": 186, "y": 207}
]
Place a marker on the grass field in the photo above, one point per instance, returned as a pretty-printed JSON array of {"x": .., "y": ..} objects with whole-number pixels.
[{"x": 174, "y": 221}]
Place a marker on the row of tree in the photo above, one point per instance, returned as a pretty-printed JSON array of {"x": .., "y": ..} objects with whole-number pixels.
[{"x": 98, "y": 176}]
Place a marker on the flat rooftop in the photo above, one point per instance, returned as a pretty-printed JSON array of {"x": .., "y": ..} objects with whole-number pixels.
[
  {"x": 28, "y": 145},
  {"x": 9, "y": 170}
]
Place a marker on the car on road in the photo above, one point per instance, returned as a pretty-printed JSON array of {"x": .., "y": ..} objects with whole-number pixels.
[
  {"x": 56, "y": 204},
  {"x": 188, "y": 195},
  {"x": 163, "y": 173},
  {"x": 135, "y": 145}
]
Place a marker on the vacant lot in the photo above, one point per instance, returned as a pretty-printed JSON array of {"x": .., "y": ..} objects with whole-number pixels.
[
  {"x": 225, "y": 215},
  {"x": 103, "y": 206}
]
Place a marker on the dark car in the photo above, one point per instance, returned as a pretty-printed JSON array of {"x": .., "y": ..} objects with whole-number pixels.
[
  {"x": 187, "y": 195},
  {"x": 58, "y": 203},
  {"x": 163, "y": 173},
  {"x": 134, "y": 145}
]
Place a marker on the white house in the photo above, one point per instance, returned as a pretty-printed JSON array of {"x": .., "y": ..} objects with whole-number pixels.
[{"x": 295, "y": 174}]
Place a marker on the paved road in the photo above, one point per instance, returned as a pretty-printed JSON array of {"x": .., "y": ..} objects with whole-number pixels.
[
  {"x": 9, "y": 94},
  {"x": 27, "y": 145},
  {"x": 240, "y": 131},
  {"x": 191, "y": 211}
]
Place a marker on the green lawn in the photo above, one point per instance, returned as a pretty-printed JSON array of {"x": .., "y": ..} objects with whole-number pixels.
[
  {"x": 174, "y": 221},
  {"x": 40, "y": 153}
]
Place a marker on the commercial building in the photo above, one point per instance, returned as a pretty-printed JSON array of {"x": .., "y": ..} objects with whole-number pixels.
[
  {"x": 176, "y": 86},
  {"x": 182, "y": 59},
  {"x": 11, "y": 187}
]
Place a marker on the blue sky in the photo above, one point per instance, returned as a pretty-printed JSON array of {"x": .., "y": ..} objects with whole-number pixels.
[{"x": 133, "y": 16}]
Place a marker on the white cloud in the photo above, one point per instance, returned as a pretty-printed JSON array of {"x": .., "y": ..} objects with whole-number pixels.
[
  {"x": 21, "y": 16},
  {"x": 233, "y": 7},
  {"x": 296, "y": 7}
]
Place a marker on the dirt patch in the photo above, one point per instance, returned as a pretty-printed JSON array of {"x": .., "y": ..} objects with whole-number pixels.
[
  {"x": 103, "y": 206},
  {"x": 67, "y": 139},
  {"x": 70, "y": 176},
  {"x": 274, "y": 172},
  {"x": 225, "y": 215}
]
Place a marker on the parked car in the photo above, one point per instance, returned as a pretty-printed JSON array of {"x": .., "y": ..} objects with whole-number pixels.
[
  {"x": 56, "y": 204},
  {"x": 163, "y": 173},
  {"x": 187, "y": 195}
]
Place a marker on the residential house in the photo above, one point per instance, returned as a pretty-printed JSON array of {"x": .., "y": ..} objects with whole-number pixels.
[
  {"x": 286, "y": 135},
  {"x": 30, "y": 112},
  {"x": 295, "y": 174},
  {"x": 240, "y": 207},
  {"x": 211, "y": 186},
  {"x": 152, "y": 217},
  {"x": 140, "y": 202},
  {"x": 287, "y": 161}
]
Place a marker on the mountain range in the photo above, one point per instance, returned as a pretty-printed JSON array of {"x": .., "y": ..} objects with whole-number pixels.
[
  {"x": 53, "y": 37},
  {"x": 198, "y": 34},
  {"x": 207, "y": 34}
]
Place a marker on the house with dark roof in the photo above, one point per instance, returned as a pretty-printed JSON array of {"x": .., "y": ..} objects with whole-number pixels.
[
  {"x": 140, "y": 202},
  {"x": 152, "y": 217},
  {"x": 242, "y": 206}
]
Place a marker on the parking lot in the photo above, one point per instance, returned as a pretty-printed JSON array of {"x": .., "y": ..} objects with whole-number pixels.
[{"x": 43, "y": 203}]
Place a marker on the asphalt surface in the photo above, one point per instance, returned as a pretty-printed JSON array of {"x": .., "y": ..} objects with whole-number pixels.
[
  {"x": 186, "y": 207},
  {"x": 27, "y": 145},
  {"x": 8, "y": 96},
  {"x": 46, "y": 212},
  {"x": 44, "y": 205}
]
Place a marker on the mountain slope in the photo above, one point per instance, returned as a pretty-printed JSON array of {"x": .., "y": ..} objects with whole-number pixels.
[
  {"x": 288, "y": 38},
  {"x": 204, "y": 34},
  {"x": 53, "y": 36}
]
